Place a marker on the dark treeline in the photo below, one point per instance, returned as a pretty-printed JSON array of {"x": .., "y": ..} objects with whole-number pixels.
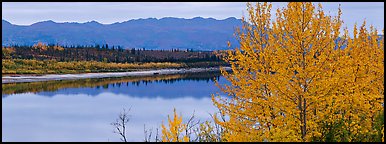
[
  {"x": 106, "y": 53},
  {"x": 209, "y": 76}
]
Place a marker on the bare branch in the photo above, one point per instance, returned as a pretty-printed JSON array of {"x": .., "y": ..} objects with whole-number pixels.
[{"x": 120, "y": 124}]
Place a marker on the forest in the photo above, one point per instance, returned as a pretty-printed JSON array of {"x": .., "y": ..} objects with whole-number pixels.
[{"x": 48, "y": 58}]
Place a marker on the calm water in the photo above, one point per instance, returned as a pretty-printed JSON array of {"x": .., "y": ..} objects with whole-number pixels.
[{"x": 83, "y": 110}]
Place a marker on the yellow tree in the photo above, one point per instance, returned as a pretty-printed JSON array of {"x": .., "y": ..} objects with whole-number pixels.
[
  {"x": 7, "y": 52},
  {"x": 174, "y": 133},
  {"x": 297, "y": 78},
  {"x": 40, "y": 46}
]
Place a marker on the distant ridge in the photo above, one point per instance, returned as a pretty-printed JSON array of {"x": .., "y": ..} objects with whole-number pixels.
[{"x": 151, "y": 33}]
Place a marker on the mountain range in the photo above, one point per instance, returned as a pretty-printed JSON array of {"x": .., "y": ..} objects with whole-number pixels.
[{"x": 166, "y": 33}]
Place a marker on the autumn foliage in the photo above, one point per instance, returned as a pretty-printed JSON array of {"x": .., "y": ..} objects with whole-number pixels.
[
  {"x": 297, "y": 78},
  {"x": 175, "y": 130}
]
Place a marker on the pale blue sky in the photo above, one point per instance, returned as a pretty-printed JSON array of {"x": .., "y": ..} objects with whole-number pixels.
[{"x": 26, "y": 13}]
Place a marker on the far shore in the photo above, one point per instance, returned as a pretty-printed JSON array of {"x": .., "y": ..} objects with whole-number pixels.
[{"x": 48, "y": 77}]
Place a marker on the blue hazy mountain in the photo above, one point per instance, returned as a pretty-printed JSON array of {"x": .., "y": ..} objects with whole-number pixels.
[{"x": 166, "y": 33}]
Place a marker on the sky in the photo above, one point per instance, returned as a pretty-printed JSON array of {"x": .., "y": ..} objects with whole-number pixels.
[{"x": 27, "y": 13}]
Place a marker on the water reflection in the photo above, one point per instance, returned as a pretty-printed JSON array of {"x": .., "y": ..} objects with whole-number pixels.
[
  {"x": 148, "y": 86},
  {"x": 83, "y": 110}
]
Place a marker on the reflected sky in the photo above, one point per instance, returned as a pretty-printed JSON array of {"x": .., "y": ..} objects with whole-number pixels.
[
  {"x": 85, "y": 114},
  {"x": 148, "y": 89}
]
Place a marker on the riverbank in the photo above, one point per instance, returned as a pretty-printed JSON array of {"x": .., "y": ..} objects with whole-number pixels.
[
  {"x": 48, "y": 77},
  {"x": 28, "y": 66}
]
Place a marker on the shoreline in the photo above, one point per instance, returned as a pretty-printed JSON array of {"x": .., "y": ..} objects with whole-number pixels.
[{"x": 49, "y": 77}]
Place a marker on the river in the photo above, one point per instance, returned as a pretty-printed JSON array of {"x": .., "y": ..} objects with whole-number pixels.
[{"x": 83, "y": 110}]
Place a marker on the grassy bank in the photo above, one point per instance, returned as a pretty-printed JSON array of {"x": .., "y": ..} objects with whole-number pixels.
[{"x": 25, "y": 66}]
